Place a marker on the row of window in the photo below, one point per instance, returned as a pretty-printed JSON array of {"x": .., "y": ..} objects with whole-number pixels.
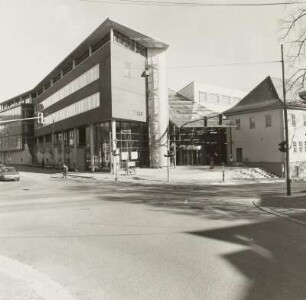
[
  {"x": 75, "y": 85},
  {"x": 294, "y": 121},
  {"x": 10, "y": 128},
  {"x": 15, "y": 102},
  {"x": 215, "y": 98},
  {"x": 70, "y": 66},
  {"x": 268, "y": 121},
  {"x": 74, "y": 109},
  {"x": 252, "y": 123},
  {"x": 128, "y": 43},
  {"x": 299, "y": 146},
  {"x": 11, "y": 113},
  {"x": 11, "y": 142}
]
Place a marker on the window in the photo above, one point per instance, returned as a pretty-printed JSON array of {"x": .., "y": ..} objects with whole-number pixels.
[
  {"x": 74, "y": 109},
  {"x": 305, "y": 146},
  {"x": 75, "y": 85},
  {"x": 238, "y": 125},
  {"x": 252, "y": 122},
  {"x": 65, "y": 139},
  {"x": 294, "y": 147},
  {"x": 300, "y": 146},
  {"x": 268, "y": 121},
  {"x": 129, "y": 43},
  {"x": 71, "y": 138},
  {"x": 304, "y": 120},
  {"x": 127, "y": 70},
  {"x": 293, "y": 120}
]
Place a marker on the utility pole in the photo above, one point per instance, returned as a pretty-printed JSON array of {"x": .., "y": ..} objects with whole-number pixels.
[
  {"x": 168, "y": 156},
  {"x": 287, "y": 170}
]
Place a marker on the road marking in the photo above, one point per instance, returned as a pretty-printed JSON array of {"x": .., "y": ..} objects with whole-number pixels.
[{"x": 42, "y": 285}]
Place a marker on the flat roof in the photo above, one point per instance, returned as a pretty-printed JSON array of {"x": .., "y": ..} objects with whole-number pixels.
[
  {"x": 96, "y": 36},
  {"x": 28, "y": 93}
]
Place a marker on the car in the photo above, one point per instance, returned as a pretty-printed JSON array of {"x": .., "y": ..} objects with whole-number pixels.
[{"x": 9, "y": 173}]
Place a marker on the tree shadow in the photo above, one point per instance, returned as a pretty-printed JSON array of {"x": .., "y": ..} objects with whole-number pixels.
[
  {"x": 274, "y": 259},
  {"x": 214, "y": 202}
]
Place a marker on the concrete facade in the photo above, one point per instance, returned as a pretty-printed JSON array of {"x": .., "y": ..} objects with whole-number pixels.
[{"x": 96, "y": 101}]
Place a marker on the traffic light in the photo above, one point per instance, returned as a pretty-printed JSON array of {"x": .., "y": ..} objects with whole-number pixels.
[
  {"x": 40, "y": 118},
  {"x": 282, "y": 146}
]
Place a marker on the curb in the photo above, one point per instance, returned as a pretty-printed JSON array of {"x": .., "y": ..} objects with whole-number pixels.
[
  {"x": 297, "y": 200},
  {"x": 278, "y": 214}
]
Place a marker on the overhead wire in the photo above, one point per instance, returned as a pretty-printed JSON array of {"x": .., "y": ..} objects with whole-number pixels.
[
  {"x": 176, "y": 3},
  {"x": 226, "y": 64}
]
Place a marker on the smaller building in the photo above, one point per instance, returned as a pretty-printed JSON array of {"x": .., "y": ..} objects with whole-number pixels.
[
  {"x": 259, "y": 128},
  {"x": 17, "y": 135}
]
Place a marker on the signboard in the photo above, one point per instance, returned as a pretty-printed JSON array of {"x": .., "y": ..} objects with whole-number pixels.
[{"x": 124, "y": 155}]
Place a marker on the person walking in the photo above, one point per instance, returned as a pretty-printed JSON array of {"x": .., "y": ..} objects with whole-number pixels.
[{"x": 65, "y": 171}]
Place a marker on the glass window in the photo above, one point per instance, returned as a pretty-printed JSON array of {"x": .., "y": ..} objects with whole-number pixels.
[
  {"x": 71, "y": 138},
  {"x": 127, "y": 70},
  {"x": 74, "y": 109},
  {"x": 252, "y": 122},
  {"x": 238, "y": 124},
  {"x": 294, "y": 147},
  {"x": 81, "y": 81},
  {"x": 268, "y": 121},
  {"x": 293, "y": 120},
  {"x": 300, "y": 146}
]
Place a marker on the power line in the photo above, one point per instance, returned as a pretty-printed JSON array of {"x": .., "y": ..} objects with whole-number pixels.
[
  {"x": 226, "y": 65},
  {"x": 233, "y": 64},
  {"x": 175, "y": 3}
]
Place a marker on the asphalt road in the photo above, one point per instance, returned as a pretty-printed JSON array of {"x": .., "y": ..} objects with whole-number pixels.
[{"x": 91, "y": 240}]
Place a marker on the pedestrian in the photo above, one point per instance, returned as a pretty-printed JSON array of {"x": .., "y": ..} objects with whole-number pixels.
[
  {"x": 212, "y": 162},
  {"x": 65, "y": 171}
]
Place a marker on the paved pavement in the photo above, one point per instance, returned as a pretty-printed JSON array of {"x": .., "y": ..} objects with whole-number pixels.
[
  {"x": 19, "y": 281},
  {"x": 187, "y": 175}
]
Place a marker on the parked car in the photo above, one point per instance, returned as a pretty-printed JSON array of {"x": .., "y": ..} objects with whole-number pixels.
[{"x": 9, "y": 173}]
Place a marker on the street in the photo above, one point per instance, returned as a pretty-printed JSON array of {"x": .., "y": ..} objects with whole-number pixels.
[{"x": 86, "y": 239}]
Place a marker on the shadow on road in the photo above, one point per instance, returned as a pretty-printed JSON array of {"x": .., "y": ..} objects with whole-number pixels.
[
  {"x": 274, "y": 260},
  {"x": 214, "y": 202}
]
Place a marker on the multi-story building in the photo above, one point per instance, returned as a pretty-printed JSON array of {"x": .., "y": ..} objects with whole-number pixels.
[
  {"x": 108, "y": 96},
  {"x": 259, "y": 121},
  {"x": 17, "y": 135}
]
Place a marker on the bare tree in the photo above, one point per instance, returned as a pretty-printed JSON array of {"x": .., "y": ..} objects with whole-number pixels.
[{"x": 293, "y": 31}]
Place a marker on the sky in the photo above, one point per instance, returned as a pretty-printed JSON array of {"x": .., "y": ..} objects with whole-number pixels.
[{"x": 38, "y": 34}]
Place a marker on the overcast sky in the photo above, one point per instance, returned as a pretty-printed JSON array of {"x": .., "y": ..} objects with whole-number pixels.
[{"x": 37, "y": 34}]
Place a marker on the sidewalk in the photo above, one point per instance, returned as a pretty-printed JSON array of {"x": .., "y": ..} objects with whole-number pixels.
[{"x": 186, "y": 175}]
